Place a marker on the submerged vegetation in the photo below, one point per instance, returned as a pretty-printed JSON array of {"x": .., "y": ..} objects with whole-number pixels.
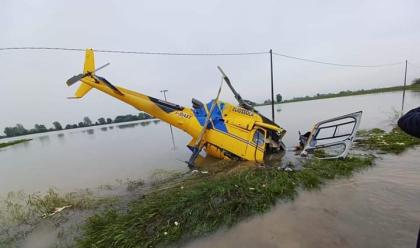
[
  {"x": 20, "y": 212},
  {"x": 11, "y": 143},
  {"x": 395, "y": 141},
  {"x": 202, "y": 203}
]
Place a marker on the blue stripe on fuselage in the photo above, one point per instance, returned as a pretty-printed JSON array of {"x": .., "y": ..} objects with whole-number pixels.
[{"x": 216, "y": 116}]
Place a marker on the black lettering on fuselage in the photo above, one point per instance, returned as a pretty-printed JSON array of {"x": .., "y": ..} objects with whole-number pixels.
[{"x": 243, "y": 111}]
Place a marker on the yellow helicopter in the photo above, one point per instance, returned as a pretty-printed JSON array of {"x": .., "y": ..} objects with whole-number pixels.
[{"x": 222, "y": 129}]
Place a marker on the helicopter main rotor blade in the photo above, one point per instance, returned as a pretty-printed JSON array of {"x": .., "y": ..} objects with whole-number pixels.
[
  {"x": 206, "y": 122},
  {"x": 197, "y": 145},
  {"x": 243, "y": 103},
  {"x": 79, "y": 77}
]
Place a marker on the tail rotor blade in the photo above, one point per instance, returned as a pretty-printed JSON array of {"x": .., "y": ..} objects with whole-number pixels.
[
  {"x": 75, "y": 79},
  {"x": 101, "y": 67},
  {"x": 79, "y": 77}
]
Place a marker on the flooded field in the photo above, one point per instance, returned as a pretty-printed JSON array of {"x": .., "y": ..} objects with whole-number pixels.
[
  {"x": 379, "y": 207},
  {"x": 81, "y": 158}
]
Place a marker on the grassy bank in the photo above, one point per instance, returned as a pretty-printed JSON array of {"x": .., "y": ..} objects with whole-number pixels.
[
  {"x": 201, "y": 203},
  {"x": 11, "y": 143},
  {"x": 395, "y": 141}
]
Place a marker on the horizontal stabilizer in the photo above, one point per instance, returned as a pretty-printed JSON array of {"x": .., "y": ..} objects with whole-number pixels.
[{"x": 83, "y": 90}]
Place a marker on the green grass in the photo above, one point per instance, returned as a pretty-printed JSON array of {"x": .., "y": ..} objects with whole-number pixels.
[
  {"x": 395, "y": 141},
  {"x": 200, "y": 204},
  {"x": 10, "y": 143}
]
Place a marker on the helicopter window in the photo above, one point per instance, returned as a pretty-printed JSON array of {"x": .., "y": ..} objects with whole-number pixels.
[{"x": 258, "y": 137}]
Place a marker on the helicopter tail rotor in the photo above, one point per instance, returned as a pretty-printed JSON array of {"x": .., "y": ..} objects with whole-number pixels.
[{"x": 89, "y": 74}]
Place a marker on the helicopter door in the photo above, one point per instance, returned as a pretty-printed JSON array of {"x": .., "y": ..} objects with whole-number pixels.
[
  {"x": 332, "y": 138},
  {"x": 257, "y": 145}
]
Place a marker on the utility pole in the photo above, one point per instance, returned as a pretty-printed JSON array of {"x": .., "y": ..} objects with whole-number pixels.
[
  {"x": 272, "y": 87},
  {"x": 405, "y": 85},
  {"x": 170, "y": 126}
]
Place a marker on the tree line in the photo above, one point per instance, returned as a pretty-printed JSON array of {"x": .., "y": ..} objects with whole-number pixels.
[
  {"x": 19, "y": 129},
  {"x": 415, "y": 84}
]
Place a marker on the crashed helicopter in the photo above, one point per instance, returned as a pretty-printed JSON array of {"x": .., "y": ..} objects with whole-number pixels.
[{"x": 221, "y": 129}]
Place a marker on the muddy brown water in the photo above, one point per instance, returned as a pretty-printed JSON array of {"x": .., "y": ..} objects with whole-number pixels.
[
  {"x": 376, "y": 208},
  {"x": 379, "y": 207}
]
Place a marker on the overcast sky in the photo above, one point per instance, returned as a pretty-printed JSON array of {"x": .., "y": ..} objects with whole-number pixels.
[{"x": 33, "y": 86}]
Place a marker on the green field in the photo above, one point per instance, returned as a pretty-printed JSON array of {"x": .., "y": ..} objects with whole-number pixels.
[{"x": 11, "y": 143}]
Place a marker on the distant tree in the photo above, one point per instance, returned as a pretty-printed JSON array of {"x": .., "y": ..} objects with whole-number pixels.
[
  {"x": 125, "y": 118},
  {"x": 9, "y": 131},
  {"x": 416, "y": 81},
  {"x": 39, "y": 128},
  {"x": 82, "y": 124},
  {"x": 57, "y": 125},
  {"x": 108, "y": 120},
  {"x": 268, "y": 101},
  {"x": 279, "y": 98},
  {"x": 87, "y": 121},
  {"x": 144, "y": 116},
  {"x": 15, "y": 131},
  {"x": 21, "y": 130},
  {"x": 68, "y": 126},
  {"x": 101, "y": 121}
]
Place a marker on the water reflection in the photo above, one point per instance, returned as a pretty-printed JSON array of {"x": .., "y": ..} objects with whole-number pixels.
[
  {"x": 145, "y": 123},
  {"x": 128, "y": 125},
  {"x": 44, "y": 139}
]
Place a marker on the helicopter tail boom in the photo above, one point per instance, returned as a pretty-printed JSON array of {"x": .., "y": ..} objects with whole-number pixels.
[{"x": 171, "y": 113}]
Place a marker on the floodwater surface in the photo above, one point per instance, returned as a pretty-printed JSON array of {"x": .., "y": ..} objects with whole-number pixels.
[
  {"x": 83, "y": 158},
  {"x": 379, "y": 207}
]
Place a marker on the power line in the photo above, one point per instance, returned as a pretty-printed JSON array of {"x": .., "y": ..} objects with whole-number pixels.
[
  {"x": 134, "y": 52},
  {"x": 333, "y": 64},
  {"x": 198, "y": 54}
]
